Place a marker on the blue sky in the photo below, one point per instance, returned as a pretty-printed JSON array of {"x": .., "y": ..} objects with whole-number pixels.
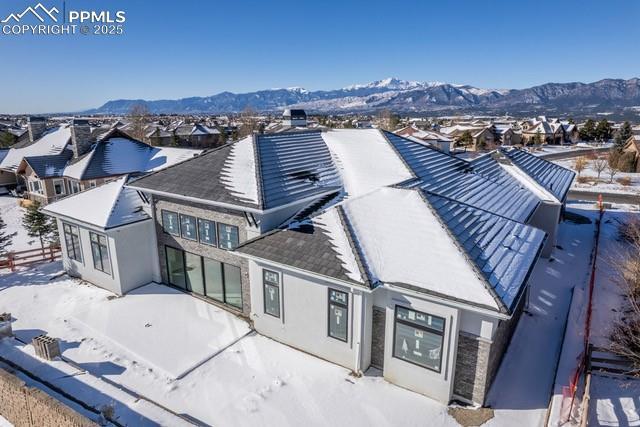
[{"x": 189, "y": 48}]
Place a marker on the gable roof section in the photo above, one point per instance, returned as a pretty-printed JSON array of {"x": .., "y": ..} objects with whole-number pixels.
[
  {"x": 112, "y": 205},
  {"x": 294, "y": 166},
  {"x": 48, "y": 166},
  {"x": 53, "y": 142},
  {"x": 554, "y": 178}
]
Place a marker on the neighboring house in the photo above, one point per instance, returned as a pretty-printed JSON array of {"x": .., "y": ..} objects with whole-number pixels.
[
  {"x": 359, "y": 246},
  {"x": 570, "y": 132},
  {"x": 550, "y": 133},
  {"x": 435, "y": 139},
  {"x": 483, "y": 138},
  {"x": 67, "y": 160},
  {"x": 633, "y": 146},
  {"x": 505, "y": 135},
  {"x": 107, "y": 237}
]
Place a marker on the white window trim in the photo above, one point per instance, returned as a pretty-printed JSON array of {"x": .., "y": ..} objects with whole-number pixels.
[{"x": 64, "y": 189}]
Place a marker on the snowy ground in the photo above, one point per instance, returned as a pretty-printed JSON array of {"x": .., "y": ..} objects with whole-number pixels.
[
  {"x": 521, "y": 396},
  {"x": 610, "y": 404},
  {"x": 604, "y": 185},
  {"x": 12, "y": 215}
]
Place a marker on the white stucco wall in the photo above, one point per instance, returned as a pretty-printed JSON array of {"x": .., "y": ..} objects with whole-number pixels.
[
  {"x": 437, "y": 385},
  {"x": 303, "y": 321},
  {"x": 130, "y": 269}
]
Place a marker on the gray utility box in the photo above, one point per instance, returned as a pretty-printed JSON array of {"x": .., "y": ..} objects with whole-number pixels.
[
  {"x": 46, "y": 347},
  {"x": 5, "y": 325}
]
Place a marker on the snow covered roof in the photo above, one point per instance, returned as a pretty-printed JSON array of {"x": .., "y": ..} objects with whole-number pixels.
[
  {"x": 359, "y": 152},
  {"x": 52, "y": 142},
  {"x": 47, "y": 166},
  {"x": 112, "y": 205},
  {"x": 554, "y": 178},
  {"x": 411, "y": 238},
  {"x": 118, "y": 154}
]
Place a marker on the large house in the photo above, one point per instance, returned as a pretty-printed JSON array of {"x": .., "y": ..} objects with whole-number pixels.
[
  {"x": 360, "y": 246},
  {"x": 67, "y": 159}
]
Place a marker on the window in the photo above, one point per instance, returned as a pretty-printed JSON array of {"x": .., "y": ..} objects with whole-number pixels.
[
  {"x": 72, "y": 241},
  {"x": 92, "y": 184},
  {"x": 74, "y": 187},
  {"x": 207, "y": 232},
  {"x": 338, "y": 314},
  {"x": 170, "y": 223},
  {"x": 418, "y": 338},
  {"x": 175, "y": 267},
  {"x": 188, "y": 227},
  {"x": 271, "y": 284},
  {"x": 227, "y": 236},
  {"x": 35, "y": 186},
  {"x": 100, "y": 252},
  {"x": 58, "y": 187},
  {"x": 213, "y": 279}
]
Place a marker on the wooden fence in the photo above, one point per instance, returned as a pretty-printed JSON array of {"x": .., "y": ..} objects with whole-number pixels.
[{"x": 30, "y": 256}]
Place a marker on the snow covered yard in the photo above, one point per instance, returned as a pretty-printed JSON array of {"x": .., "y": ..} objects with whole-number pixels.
[
  {"x": 604, "y": 185},
  {"x": 12, "y": 214},
  {"x": 521, "y": 391}
]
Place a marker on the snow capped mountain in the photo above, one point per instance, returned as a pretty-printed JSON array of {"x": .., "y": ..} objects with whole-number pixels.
[{"x": 402, "y": 96}]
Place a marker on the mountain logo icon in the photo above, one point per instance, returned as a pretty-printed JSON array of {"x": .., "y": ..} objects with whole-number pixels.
[{"x": 43, "y": 12}]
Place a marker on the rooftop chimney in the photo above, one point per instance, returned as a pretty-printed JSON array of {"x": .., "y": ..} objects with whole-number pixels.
[
  {"x": 36, "y": 126},
  {"x": 80, "y": 137}
]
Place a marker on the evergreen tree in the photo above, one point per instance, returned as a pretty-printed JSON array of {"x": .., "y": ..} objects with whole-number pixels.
[
  {"x": 537, "y": 138},
  {"x": 466, "y": 138},
  {"x": 5, "y": 239},
  {"x": 40, "y": 225},
  {"x": 588, "y": 131},
  {"x": 623, "y": 135},
  {"x": 603, "y": 130}
]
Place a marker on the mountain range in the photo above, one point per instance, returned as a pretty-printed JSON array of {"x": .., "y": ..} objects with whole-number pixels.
[{"x": 609, "y": 96}]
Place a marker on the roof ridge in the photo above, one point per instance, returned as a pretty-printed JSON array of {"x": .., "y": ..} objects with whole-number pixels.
[
  {"x": 117, "y": 198},
  {"x": 258, "y": 171},
  {"x": 351, "y": 238}
]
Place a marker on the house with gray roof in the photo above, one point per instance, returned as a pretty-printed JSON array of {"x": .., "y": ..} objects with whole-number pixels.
[{"x": 362, "y": 247}]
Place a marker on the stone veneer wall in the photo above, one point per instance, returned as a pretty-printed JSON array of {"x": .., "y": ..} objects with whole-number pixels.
[
  {"x": 27, "y": 406},
  {"x": 212, "y": 213},
  {"x": 478, "y": 359},
  {"x": 377, "y": 337}
]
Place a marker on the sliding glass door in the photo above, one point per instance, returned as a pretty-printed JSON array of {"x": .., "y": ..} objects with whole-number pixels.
[
  {"x": 195, "y": 282},
  {"x": 213, "y": 279},
  {"x": 175, "y": 267}
]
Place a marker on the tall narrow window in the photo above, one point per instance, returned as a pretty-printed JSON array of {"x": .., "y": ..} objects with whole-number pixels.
[
  {"x": 175, "y": 267},
  {"x": 418, "y": 338},
  {"x": 232, "y": 285},
  {"x": 271, "y": 284},
  {"x": 188, "y": 227},
  {"x": 72, "y": 241},
  {"x": 193, "y": 267},
  {"x": 227, "y": 236},
  {"x": 100, "y": 252},
  {"x": 213, "y": 279},
  {"x": 170, "y": 223},
  {"x": 58, "y": 187},
  {"x": 338, "y": 314},
  {"x": 207, "y": 232}
]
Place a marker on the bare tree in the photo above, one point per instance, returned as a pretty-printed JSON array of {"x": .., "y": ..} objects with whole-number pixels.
[
  {"x": 612, "y": 170},
  {"x": 599, "y": 165},
  {"x": 580, "y": 164},
  {"x": 139, "y": 116},
  {"x": 248, "y": 122},
  {"x": 388, "y": 120}
]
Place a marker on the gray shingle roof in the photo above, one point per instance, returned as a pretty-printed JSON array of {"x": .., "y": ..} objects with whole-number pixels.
[
  {"x": 198, "y": 178},
  {"x": 49, "y": 166},
  {"x": 554, "y": 178},
  {"x": 304, "y": 246}
]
